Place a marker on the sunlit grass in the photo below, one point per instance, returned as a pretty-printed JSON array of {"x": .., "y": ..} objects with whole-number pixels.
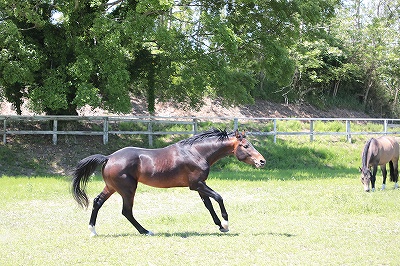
[
  {"x": 306, "y": 207},
  {"x": 275, "y": 220}
]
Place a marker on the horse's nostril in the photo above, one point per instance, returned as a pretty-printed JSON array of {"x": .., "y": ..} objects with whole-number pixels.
[{"x": 262, "y": 162}]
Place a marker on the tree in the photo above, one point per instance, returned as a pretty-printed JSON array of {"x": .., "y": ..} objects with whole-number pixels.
[
  {"x": 64, "y": 54},
  {"x": 369, "y": 32}
]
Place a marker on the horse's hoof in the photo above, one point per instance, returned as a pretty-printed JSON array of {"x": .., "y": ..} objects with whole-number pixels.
[
  {"x": 92, "y": 230},
  {"x": 224, "y": 226},
  {"x": 149, "y": 233}
]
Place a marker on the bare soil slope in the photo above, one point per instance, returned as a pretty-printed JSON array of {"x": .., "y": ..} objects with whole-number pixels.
[{"x": 213, "y": 108}]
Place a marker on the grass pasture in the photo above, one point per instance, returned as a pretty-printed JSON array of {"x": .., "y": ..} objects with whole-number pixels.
[
  {"x": 307, "y": 207},
  {"x": 290, "y": 220}
]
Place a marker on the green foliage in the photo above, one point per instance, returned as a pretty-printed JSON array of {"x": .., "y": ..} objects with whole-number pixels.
[
  {"x": 179, "y": 51},
  {"x": 323, "y": 52}
]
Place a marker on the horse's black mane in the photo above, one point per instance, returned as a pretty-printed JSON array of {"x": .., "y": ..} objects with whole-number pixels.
[
  {"x": 220, "y": 134},
  {"x": 364, "y": 154}
]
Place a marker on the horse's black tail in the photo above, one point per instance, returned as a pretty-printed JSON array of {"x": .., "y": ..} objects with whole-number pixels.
[
  {"x": 392, "y": 173},
  {"x": 81, "y": 175}
]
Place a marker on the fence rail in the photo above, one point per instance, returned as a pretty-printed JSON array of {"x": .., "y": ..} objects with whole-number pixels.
[{"x": 389, "y": 126}]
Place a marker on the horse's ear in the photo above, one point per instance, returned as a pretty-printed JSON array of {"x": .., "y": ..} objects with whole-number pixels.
[
  {"x": 243, "y": 133},
  {"x": 237, "y": 135},
  {"x": 359, "y": 168}
]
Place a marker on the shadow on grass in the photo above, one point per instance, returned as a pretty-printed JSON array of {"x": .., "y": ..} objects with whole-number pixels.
[
  {"x": 286, "y": 160},
  {"x": 194, "y": 234},
  {"x": 282, "y": 174},
  {"x": 177, "y": 234},
  {"x": 282, "y": 234}
]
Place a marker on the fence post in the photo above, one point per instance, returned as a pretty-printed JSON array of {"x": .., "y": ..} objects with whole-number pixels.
[
  {"x": 311, "y": 130},
  {"x": 235, "y": 124},
  {"x": 275, "y": 130},
  {"x": 385, "y": 126},
  {"x": 194, "y": 126},
  {"x": 105, "y": 130},
  {"x": 55, "y": 122},
  {"x": 4, "y": 131},
  {"x": 348, "y": 131}
]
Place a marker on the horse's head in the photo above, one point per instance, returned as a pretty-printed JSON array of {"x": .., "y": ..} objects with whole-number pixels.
[
  {"x": 365, "y": 177},
  {"x": 245, "y": 152}
]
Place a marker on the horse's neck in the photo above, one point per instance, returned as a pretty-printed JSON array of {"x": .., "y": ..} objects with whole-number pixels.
[
  {"x": 212, "y": 152},
  {"x": 372, "y": 156}
]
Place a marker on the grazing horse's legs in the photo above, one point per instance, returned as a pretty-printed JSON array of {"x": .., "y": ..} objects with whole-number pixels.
[
  {"x": 97, "y": 203},
  {"x": 205, "y": 193},
  {"x": 396, "y": 173},
  {"x": 373, "y": 177},
  {"x": 127, "y": 197},
  {"x": 384, "y": 174}
]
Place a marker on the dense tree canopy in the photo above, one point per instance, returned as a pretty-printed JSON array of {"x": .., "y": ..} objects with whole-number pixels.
[
  {"x": 354, "y": 59},
  {"x": 62, "y": 55}
]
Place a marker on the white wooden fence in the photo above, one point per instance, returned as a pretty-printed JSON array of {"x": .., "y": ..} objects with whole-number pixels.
[{"x": 389, "y": 126}]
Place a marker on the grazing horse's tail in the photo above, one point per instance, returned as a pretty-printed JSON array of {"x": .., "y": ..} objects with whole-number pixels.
[
  {"x": 81, "y": 175},
  {"x": 392, "y": 174}
]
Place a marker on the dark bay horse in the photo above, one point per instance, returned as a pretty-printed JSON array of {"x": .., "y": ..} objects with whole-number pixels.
[
  {"x": 183, "y": 164},
  {"x": 379, "y": 151}
]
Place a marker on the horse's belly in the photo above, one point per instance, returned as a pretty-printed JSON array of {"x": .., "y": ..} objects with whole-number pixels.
[
  {"x": 385, "y": 157},
  {"x": 384, "y": 160},
  {"x": 163, "y": 181}
]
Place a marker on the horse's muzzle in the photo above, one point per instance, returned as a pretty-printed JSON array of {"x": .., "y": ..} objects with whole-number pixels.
[{"x": 260, "y": 163}]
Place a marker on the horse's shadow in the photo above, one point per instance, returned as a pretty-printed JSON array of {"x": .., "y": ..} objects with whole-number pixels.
[
  {"x": 281, "y": 234},
  {"x": 188, "y": 234}
]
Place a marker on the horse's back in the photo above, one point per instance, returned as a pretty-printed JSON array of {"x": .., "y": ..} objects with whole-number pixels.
[
  {"x": 164, "y": 167},
  {"x": 389, "y": 149}
]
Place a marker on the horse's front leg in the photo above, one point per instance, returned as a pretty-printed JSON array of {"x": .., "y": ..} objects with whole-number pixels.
[
  {"x": 223, "y": 227},
  {"x": 373, "y": 177},
  {"x": 205, "y": 193},
  {"x": 384, "y": 174}
]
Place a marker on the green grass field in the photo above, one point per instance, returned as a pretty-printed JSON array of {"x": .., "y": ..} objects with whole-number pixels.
[
  {"x": 328, "y": 221},
  {"x": 307, "y": 207}
]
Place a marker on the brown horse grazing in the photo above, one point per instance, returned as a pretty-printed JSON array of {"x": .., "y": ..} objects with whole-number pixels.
[
  {"x": 183, "y": 164},
  {"x": 376, "y": 152}
]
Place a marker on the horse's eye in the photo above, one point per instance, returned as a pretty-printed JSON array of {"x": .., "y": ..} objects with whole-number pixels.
[{"x": 245, "y": 146}]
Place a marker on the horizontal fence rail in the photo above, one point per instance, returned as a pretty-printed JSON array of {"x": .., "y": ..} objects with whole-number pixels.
[{"x": 104, "y": 126}]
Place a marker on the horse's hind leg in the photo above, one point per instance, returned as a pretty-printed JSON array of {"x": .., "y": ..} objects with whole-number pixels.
[
  {"x": 127, "y": 198},
  {"x": 395, "y": 164},
  {"x": 97, "y": 203}
]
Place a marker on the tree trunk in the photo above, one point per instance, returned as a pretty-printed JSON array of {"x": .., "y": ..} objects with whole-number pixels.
[{"x": 151, "y": 99}]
